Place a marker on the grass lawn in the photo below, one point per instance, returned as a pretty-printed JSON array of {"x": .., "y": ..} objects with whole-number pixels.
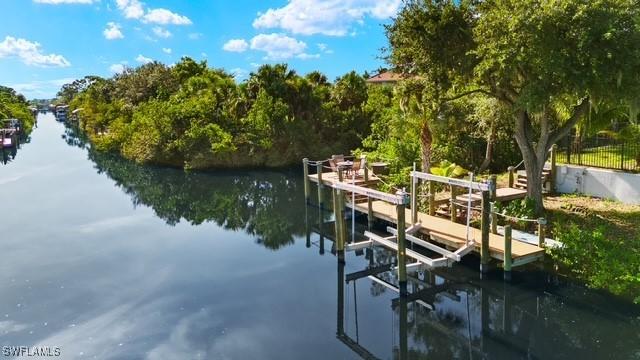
[{"x": 616, "y": 219}]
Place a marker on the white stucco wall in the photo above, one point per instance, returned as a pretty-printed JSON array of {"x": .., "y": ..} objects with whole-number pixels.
[{"x": 608, "y": 184}]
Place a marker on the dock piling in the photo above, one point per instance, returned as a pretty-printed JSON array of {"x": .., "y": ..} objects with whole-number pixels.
[
  {"x": 554, "y": 168},
  {"x": 511, "y": 170},
  {"x": 432, "y": 200},
  {"x": 338, "y": 208},
  {"x": 305, "y": 166},
  {"x": 369, "y": 201},
  {"x": 542, "y": 222},
  {"x": 320, "y": 184},
  {"x": 494, "y": 219},
  {"x": 507, "y": 253},
  {"x": 452, "y": 207},
  {"x": 493, "y": 181},
  {"x": 414, "y": 197},
  {"x": 402, "y": 260},
  {"x": 484, "y": 248}
]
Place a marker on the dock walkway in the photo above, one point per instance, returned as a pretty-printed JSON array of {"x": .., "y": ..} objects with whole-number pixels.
[{"x": 454, "y": 235}]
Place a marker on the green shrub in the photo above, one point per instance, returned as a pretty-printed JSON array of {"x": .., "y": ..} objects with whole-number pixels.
[{"x": 603, "y": 262}]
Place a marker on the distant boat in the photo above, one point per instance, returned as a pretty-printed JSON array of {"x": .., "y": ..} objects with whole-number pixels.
[{"x": 7, "y": 142}]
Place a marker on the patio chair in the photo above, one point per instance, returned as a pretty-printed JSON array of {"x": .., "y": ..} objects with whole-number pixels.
[
  {"x": 333, "y": 164},
  {"x": 357, "y": 165}
]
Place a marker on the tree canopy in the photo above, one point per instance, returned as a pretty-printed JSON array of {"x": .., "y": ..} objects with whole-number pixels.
[
  {"x": 547, "y": 61},
  {"x": 192, "y": 116}
]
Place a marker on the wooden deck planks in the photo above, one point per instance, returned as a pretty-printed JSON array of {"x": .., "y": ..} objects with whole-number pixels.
[
  {"x": 453, "y": 234},
  {"x": 502, "y": 194},
  {"x": 330, "y": 178}
]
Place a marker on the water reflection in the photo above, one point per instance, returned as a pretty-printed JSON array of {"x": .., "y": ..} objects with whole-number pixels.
[
  {"x": 450, "y": 313},
  {"x": 9, "y": 154},
  {"x": 263, "y": 204}
]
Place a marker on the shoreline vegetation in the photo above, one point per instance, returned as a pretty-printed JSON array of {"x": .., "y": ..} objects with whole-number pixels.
[
  {"x": 16, "y": 106},
  {"x": 195, "y": 117}
]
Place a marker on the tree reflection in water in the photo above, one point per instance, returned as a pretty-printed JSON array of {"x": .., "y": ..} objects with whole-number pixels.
[
  {"x": 452, "y": 314},
  {"x": 264, "y": 204}
]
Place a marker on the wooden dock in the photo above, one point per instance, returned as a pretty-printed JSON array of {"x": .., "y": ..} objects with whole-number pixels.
[
  {"x": 448, "y": 238},
  {"x": 454, "y": 235}
]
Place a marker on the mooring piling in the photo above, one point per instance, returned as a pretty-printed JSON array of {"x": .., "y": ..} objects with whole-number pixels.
[{"x": 507, "y": 262}]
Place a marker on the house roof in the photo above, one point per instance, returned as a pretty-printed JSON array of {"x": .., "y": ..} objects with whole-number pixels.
[{"x": 385, "y": 77}]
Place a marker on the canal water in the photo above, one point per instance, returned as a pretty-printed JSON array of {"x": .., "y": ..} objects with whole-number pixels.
[{"x": 105, "y": 259}]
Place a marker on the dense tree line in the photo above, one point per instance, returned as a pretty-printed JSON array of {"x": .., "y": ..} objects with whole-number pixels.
[
  {"x": 192, "y": 116},
  {"x": 15, "y": 106}
]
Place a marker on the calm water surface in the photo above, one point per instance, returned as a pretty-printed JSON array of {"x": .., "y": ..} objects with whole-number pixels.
[{"x": 109, "y": 260}]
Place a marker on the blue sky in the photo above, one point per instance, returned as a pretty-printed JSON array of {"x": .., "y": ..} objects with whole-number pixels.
[{"x": 46, "y": 43}]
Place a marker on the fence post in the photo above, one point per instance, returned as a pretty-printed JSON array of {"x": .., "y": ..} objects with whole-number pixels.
[
  {"x": 554, "y": 168},
  {"x": 622, "y": 156},
  {"x": 542, "y": 222},
  {"x": 511, "y": 170},
  {"x": 507, "y": 253},
  {"x": 569, "y": 144},
  {"x": 305, "y": 165}
]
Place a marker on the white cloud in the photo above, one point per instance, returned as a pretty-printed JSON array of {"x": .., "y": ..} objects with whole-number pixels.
[
  {"x": 143, "y": 60},
  {"x": 40, "y": 88},
  {"x": 113, "y": 31},
  {"x": 30, "y": 53},
  {"x": 131, "y": 9},
  {"x": 278, "y": 46},
  {"x": 57, "y": 2},
  {"x": 305, "y": 56},
  {"x": 134, "y": 9},
  {"x": 167, "y": 50},
  {"x": 239, "y": 74},
  {"x": 161, "y": 32},
  {"x": 324, "y": 48},
  {"x": 165, "y": 17},
  {"x": 195, "y": 36},
  {"x": 333, "y": 18},
  {"x": 236, "y": 45},
  {"x": 116, "y": 68}
]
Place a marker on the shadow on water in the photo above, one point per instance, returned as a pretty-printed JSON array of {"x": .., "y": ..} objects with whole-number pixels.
[
  {"x": 264, "y": 204},
  {"x": 451, "y": 313}
]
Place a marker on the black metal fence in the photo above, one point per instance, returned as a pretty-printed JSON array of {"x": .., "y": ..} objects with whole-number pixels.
[{"x": 602, "y": 152}]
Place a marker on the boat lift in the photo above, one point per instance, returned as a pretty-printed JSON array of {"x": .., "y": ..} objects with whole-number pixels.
[{"x": 400, "y": 235}]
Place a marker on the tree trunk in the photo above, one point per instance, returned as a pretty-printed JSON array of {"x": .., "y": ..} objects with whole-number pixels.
[
  {"x": 426, "y": 140},
  {"x": 488, "y": 155},
  {"x": 535, "y": 151}
]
